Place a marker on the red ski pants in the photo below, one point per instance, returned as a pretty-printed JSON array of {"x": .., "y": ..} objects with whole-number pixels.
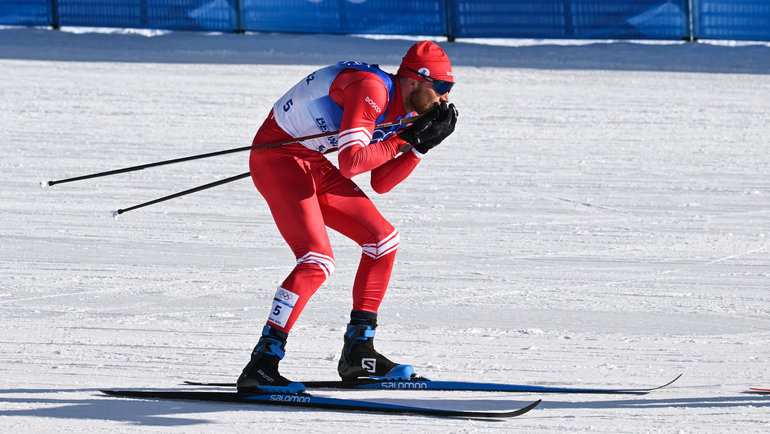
[{"x": 306, "y": 193}]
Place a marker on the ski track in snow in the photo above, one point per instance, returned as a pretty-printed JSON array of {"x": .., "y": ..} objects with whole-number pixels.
[{"x": 599, "y": 218}]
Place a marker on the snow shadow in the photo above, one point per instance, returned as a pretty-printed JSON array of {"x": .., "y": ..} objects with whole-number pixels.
[
  {"x": 320, "y": 49},
  {"x": 695, "y": 402},
  {"x": 105, "y": 408}
]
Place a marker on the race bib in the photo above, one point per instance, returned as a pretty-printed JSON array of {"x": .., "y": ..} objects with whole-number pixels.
[{"x": 283, "y": 305}]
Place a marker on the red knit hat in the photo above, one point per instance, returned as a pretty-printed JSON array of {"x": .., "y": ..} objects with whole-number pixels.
[{"x": 426, "y": 58}]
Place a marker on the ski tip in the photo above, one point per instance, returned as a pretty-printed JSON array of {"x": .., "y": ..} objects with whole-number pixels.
[
  {"x": 523, "y": 410},
  {"x": 758, "y": 390},
  {"x": 670, "y": 382},
  {"x": 45, "y": 185},
  {"x": 519, "y": 411},
  {"x": 645, "y": 391},
  {"x": 488, "y": 414},
  {"x": 531, "y": 406},
  {"x": 642, "y": 391}
]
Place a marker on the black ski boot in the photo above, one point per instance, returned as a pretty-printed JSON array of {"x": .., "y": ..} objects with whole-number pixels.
[
  {"x": 359, "y": 358},
  {"x": 261, "y": 374}
]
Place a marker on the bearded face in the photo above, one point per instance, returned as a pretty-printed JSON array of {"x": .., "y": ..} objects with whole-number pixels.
[{"x": 423, "y": 97}]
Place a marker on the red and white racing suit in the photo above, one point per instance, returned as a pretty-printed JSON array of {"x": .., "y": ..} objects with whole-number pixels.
[{"x": 306, "y": 193}]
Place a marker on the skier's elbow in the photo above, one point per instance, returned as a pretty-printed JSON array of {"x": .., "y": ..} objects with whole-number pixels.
[
  {"x": 347, "y": 171},
  {"x": 381, "y": 187}
]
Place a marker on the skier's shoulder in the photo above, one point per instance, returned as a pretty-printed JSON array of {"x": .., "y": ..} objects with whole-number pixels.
[
  {"x": 362, "y": 74},
  {"x": 352, "y": 82}
]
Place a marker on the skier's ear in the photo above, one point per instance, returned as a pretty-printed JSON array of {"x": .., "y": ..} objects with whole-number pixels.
[{"x": 411, "y": 84}]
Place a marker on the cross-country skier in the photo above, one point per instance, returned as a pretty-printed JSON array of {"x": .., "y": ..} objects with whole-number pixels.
[{"x": 306, "y": 193}]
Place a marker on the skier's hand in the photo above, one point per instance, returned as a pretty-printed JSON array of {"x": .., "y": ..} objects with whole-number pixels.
[
  {"x": 432, "y": 128},
  {"x": 440, "y": 128},
  {"x": 420, "y": 132}
]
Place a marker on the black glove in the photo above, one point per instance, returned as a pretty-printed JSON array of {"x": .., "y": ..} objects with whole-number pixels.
[
  {"x": 440, "y": 128},
  {"x": 438, "y": 125},
  {"x": 418, "y": 132}
]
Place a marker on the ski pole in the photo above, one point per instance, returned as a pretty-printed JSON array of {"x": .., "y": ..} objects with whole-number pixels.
[
  {"x": 118, "y": 212},
  {"x": 45, "y": 184}
]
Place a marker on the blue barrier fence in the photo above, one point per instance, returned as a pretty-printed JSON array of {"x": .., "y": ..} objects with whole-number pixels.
[{"x": 567, "y": 19}]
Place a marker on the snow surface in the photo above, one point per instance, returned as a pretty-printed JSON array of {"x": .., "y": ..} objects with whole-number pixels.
[{"x": 600, "y": 218}]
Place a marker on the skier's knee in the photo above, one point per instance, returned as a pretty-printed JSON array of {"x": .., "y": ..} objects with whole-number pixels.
[
  {"x": 324, "y": 262},
  {"x": 385, "y": 245}
]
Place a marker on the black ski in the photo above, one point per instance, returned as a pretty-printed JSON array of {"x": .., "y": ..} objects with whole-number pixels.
[
  {"x": 420, "y": 383},
  {"x": 310, "y": 401}
]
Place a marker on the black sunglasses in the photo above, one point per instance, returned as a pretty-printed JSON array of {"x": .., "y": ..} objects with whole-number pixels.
[{"x": 441, "y": 87}]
